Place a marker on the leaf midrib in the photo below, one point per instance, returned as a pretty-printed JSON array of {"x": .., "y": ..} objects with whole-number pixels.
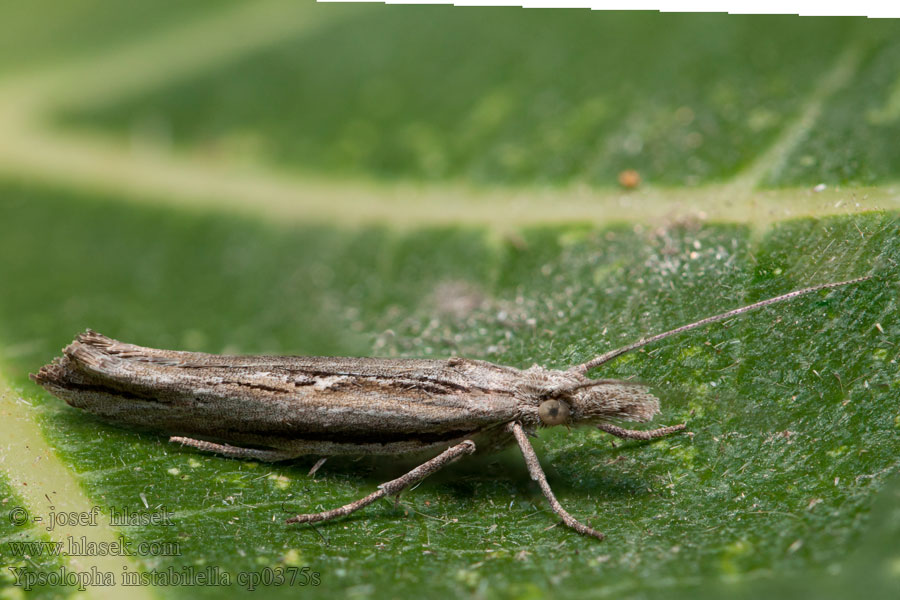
[{"x": 29, "y": 145}]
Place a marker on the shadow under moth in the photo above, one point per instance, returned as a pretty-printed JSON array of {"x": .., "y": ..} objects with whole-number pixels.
[{"x": 274, "y": 408}]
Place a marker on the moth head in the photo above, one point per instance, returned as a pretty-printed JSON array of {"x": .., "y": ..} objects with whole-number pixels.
[
  {"x": 601, "y": 400},
  {"x": 563, "y": 398}
]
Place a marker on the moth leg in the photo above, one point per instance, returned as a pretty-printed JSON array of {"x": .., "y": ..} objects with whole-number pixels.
[
  {"x": 537, "y": 474},
  {"x": 394, "y": 486},
  {"x": 235, "y": 451},
  {"x": 637, "y": 434},
  {"x": 316, "y": 466}
]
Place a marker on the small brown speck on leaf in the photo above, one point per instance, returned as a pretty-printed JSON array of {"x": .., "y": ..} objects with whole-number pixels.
[{"x": 629, "y": 179}]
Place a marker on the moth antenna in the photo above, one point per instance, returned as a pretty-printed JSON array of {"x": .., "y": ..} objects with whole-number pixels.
[{"x": 599, "y": 360}]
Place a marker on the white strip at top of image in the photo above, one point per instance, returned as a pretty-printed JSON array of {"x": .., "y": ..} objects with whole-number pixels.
[{"x": 858, "y": 8}]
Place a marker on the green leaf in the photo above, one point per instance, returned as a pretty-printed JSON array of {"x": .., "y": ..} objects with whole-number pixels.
[
  {"x": 371, "y": 182},
  {"x": 48, "y": 31},
  {"x": 506, "y": 95},
  {"x": 792, "y": 410}
]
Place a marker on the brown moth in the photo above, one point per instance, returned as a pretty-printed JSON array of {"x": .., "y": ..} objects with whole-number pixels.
[{"x": 279, "y": 407}]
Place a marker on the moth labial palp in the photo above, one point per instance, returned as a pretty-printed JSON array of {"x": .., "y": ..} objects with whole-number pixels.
[{"x": 274, "y": 408}]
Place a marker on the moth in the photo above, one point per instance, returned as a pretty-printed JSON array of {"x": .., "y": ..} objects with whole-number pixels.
[{"x": 275, "y": 408}]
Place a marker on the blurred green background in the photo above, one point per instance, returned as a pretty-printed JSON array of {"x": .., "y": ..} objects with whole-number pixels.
[{"x": 282, "y": 177}]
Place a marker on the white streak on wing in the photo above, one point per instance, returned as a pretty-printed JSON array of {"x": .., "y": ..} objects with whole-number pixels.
[{"x": 327, "y": 383}]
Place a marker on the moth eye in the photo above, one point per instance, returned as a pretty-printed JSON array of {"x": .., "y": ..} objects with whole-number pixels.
[{"x": 553, "y": 412}]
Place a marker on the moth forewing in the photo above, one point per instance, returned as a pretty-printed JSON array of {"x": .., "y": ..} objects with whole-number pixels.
[{"x": 300, "y": 405}]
